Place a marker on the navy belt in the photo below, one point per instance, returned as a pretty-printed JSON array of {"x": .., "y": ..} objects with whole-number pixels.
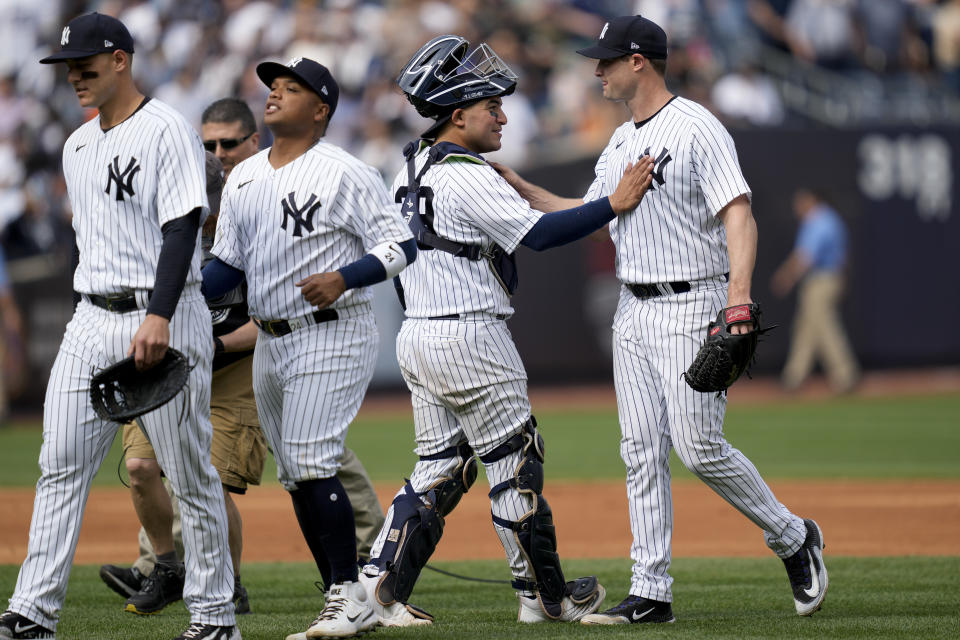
[
  {"x": 116, "y": 304},
  {"x": 279, "y": 328}
]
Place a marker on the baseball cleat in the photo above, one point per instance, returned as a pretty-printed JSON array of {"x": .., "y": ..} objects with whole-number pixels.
[
  {"x": 346, "y": 613},
  {"x": 162, "y": 587},
  {"x": 200, "y": 631},
  {"x": 633, "y": 610},
  {"x": 241, "y": 599},
  {"x": 126, "y": 582},
  {"x": 398, "y": 614},
  {"x": 572, "y": 608},
  {"x": 808, "y": 575},
  {"x": 14, "y": 625}
]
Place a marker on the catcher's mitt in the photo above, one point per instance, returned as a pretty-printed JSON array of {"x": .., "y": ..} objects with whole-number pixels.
[
  {"x": 121, "y": 393},
  {"x": 724, "y": 355}
]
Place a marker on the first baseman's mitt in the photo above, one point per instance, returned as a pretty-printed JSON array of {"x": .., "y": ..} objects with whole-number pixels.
[
  {"x": 121, "y": 393},
  {"x": 724, "y": 355}
]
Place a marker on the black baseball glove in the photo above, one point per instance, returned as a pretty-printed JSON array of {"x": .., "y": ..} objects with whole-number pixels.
[
  {"x": 121, "y": 393},
  {"x": 724, "y": 356}
]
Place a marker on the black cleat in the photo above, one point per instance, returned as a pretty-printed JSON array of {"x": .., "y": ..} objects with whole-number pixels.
[
  {"x": 13, "y": 625},
  {"x": 633, "y": 610},
  {"x": 126, "y": 582},
  {"x": 241, "y": 600},
  {"x": 808, "y": 576},
  {"x": 162, "y": 587}
]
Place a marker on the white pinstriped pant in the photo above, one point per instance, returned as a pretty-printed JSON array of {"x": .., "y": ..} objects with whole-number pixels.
[
  {"x": 654, "y": 341},
  {"x": 309, "y": 385},
  {"x": 467, "y": 381},
  {"x": 76, "y": 440}
]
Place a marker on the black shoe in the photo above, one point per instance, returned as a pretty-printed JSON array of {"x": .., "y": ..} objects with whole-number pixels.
[
  {"x": 14, "y": 625},
  {"x": 199, "y": 631},
  {"x": 241, "y": 601},
  {"x": 126, "y": 582},
  {"x": 808, "y": 576},
  {"x": 633, "y": 610},
  {"x": 162, "y": 587}
]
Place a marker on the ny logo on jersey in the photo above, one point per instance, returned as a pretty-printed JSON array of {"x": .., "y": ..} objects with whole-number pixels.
[
  {"x": 302, "y": 216},
  {"x": 123, "y": 179},
  {"x": 659, "y": 164}
]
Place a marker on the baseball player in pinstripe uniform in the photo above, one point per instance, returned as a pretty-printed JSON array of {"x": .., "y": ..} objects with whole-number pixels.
[
  {"x": 311, "y": 227},
  {"x": 687, "y": 251},
  {"x": 238, "y": 448},
  {"x": 135, "y": 178},
  {"x": 468, "y": 384}
]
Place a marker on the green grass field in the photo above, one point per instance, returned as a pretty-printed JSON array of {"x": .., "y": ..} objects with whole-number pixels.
[
  {"x": 714, "y": 598},
  {"x": 883, "y": 438}
]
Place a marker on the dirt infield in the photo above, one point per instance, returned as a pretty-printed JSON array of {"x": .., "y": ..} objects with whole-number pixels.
[
  {"x": 875, "y": 518},
  {"x": 859, "y": 518}
]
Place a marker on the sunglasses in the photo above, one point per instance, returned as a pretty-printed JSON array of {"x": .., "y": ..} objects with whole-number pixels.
[{"x": 226, "y": 143}]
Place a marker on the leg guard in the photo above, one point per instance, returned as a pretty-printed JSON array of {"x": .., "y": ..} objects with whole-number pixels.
[
  {"x": 417, "y": 525},
  {"x": 534, "y": 531}
]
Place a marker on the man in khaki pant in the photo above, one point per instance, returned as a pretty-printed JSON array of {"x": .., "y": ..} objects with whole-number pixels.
[{"x": 818, "y": 259}]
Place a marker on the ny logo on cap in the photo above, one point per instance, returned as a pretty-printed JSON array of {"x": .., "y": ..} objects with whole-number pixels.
[
  {"x": 295, "y": 61},
  {"x": 65, "y": 36}
]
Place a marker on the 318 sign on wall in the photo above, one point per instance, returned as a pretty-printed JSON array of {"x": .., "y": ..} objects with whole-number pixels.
[{"x": 912, "y": 167}]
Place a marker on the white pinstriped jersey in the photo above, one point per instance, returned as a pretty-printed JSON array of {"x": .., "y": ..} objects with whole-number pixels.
[
  {"x": 674, "y": 233},
  {"x": 472, "y": 205},
  {"x": 125, "y": 184},
  {"x": 315, "y": 214}
]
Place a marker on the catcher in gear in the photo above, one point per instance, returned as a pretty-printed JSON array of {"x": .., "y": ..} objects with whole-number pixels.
[
  {"x": 725, "y": 355},
  {"x": 467, "y": 381}
]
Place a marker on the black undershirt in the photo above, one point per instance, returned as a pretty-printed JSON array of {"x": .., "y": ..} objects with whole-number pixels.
[{"x": 173, "y": 265}]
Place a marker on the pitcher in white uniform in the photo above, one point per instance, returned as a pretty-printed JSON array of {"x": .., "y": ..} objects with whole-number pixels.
[{"x": 686, "y": 251}]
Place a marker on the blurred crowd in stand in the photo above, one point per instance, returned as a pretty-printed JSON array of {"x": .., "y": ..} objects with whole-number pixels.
[
  {"x": 756, "y": 63},
  {"x": 191, "y": 53}
]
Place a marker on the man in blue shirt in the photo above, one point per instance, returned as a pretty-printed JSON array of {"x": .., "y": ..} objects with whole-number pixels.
[{"x": 818, "y": 260}]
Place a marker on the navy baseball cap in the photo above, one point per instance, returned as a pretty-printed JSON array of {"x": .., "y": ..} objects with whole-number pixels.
[
  {"x": 90, "y": 34},
  {"x": 312, "y": 73},
  {"x": 629, "y": 34}
]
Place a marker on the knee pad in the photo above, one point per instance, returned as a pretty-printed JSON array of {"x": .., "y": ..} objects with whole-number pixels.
[
  {"x": 449, "y": 489},
  {"x": 534, "y": 532},
  {"x": 417, "y": 525}
]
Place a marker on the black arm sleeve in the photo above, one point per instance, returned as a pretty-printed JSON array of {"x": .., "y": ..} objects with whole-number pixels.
[{"x": 179, "y": 243}]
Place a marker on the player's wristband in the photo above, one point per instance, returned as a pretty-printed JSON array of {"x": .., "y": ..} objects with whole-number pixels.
[
  {"x": 218, "y": 347},
  {"x": 382, "y": 262}
]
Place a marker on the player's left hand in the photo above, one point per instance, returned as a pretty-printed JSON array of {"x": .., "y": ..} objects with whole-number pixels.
[
  {"x": 150, "y": 343},
  {"x": 733, "y": 301},
  {"x": 322, "y": 289}
]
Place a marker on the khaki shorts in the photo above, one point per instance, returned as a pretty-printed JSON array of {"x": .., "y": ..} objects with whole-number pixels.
[{"x": 239, "y": 449}]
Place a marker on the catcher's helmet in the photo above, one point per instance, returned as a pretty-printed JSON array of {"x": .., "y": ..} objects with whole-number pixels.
[{"x": 442, "y": 76}]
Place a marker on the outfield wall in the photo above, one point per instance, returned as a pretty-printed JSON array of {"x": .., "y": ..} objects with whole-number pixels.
[{"x": 895, "y": 188}]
